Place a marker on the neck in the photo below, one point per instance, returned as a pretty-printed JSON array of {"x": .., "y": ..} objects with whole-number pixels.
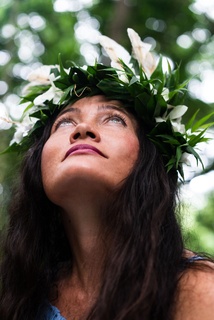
[
  {"x": 82, "y": 211},
  {"x": 82, "y": 218}
]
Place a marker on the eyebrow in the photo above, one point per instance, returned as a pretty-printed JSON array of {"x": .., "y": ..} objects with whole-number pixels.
[
  {"x": 112, "y": 107},
  {"x": 70, "y": 109},
  {"x": 99, "y": 108}
]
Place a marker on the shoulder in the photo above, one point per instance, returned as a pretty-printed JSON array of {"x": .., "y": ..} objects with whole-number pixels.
[{"x": 195, "y": 298}]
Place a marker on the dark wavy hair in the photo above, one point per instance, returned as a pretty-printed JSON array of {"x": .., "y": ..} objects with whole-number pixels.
[{"x": 143, "y": 264}]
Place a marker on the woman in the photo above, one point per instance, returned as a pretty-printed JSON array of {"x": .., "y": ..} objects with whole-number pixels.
[{"x": 93, "y": 231}]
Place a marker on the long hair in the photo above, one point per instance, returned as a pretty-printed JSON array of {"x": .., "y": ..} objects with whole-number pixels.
[
  {"x": 146, "y": 257},
  {"x": 142, "y": 266}
]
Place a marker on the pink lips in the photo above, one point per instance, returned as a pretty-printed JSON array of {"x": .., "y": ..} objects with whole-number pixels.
[{"x": 83, "y": 149}]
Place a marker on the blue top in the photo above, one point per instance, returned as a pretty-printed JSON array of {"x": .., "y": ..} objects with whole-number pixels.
[
  {"x": 51, "y": 313},
  {"x": 195, "y": 258}
]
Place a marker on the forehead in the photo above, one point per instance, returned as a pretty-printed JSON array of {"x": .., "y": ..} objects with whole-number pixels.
[{"x": 95, "y": 100}]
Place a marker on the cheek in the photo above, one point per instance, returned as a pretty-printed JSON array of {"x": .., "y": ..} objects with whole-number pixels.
[
  {"x": 128, "y": 153},
  {"x": 49, "y": 160},
  {"x": 132, "y": 150},
  {"x": 131, "y": 145},
  {"x": 52, "y": 150}
]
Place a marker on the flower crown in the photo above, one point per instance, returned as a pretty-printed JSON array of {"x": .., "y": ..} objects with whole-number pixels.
[{"x": 155, "y": 96}]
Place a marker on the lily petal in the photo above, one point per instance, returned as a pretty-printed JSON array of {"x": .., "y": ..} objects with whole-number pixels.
[
  {"x": 115, "y": 51},
  {"x": 141, "y": 52},
  {"x": 177, "y": 112},
  {"x": 40, "y": 75}
]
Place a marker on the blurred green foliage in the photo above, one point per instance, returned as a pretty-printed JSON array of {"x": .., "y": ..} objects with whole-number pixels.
[
  {"x": 198, "y": 226},
  {"x": 33, "y": 32}
]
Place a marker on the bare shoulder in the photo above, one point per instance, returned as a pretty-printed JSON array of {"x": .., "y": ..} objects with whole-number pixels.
[{"x": 195, "y": 299}]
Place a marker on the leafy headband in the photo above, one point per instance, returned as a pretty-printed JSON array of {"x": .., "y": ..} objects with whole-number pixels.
[{"x": 155, "y": 96}]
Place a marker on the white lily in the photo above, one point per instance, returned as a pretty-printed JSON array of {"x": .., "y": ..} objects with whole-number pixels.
[
  {"x": 175, "y": 117},
  {"x": 5, "y": 121},
  {"x": 177, "y": 112},
  {"x": 22, "y": 129},
  {"x": 40, "y": 75},
  {"x": 52, "y": 94},
  {"x": 178, "y": 126},
  {"x": 116, "y": 52},
  {"x": 141, "y": 52},
  {"x": 165, "y": 94}
]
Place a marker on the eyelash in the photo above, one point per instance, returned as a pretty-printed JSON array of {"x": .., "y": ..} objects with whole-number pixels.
[
  {"x": 59, "y": 121},
  {"x": 118, "y": 116}
]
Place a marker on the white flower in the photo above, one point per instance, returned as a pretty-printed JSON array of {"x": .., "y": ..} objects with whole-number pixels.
[
  {"x": 178, "y": 126},
  {"x": 122, "y": 76},
  {"x": 115, "y": 51},
  {"x": 177, "y": 112},
  {"x": 175, "y": 117},
  {"x": 165, "y": 94},
  {"x": 52, "y": 94},
  {"x": 40, "y": 75},
  {"x": 141, "y": 52},
  {"x": 22, "y": 129},
  {"x": 5, "y": 121},
  {"x": 17, "y": 111}
]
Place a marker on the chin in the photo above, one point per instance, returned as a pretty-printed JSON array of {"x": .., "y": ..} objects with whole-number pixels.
[{"x": 81, "y": 182}]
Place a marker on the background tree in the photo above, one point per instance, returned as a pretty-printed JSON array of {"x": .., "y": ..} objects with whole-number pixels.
[{"x": 33, "y": 32}]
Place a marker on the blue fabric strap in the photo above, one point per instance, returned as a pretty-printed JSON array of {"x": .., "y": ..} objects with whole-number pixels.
[
  {"x": 51, "y": 313},
  {"x": 195, "y": 258}
]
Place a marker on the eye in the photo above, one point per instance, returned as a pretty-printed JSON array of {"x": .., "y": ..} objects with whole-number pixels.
[
  {"x": 63, "y": 122},
  {"x": 117, "y": 119}
]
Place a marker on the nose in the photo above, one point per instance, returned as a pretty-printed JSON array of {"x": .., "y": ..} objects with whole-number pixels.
[{"x": 84, "y": 131}]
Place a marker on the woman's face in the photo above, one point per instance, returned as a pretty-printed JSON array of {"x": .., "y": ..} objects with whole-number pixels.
[{"x": 93, "y": 145}]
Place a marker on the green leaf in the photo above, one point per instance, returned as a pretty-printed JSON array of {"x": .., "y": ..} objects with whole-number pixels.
[
  {"x": 207, "y": 125},
  {"x": 13, "y": 148},
  {"x": 200, "y": 122},
  {"x": 158, "y": 72},
  {"x": 190, "y": 150},
  {"x": 66, "y": 94},
  {"x": 178, "y": 155},
  {"x": 158, "y": 76},
  {"x": 62, "y": 70},
  {"x": 194, "y": 139},
  {"x": 133, "y": 80},
  {"x": 169, "y": 139},
  {"x": 189, "y": 124},
  {"x": 160, "y": 107},
  {"x": 28, "y": 107}
]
